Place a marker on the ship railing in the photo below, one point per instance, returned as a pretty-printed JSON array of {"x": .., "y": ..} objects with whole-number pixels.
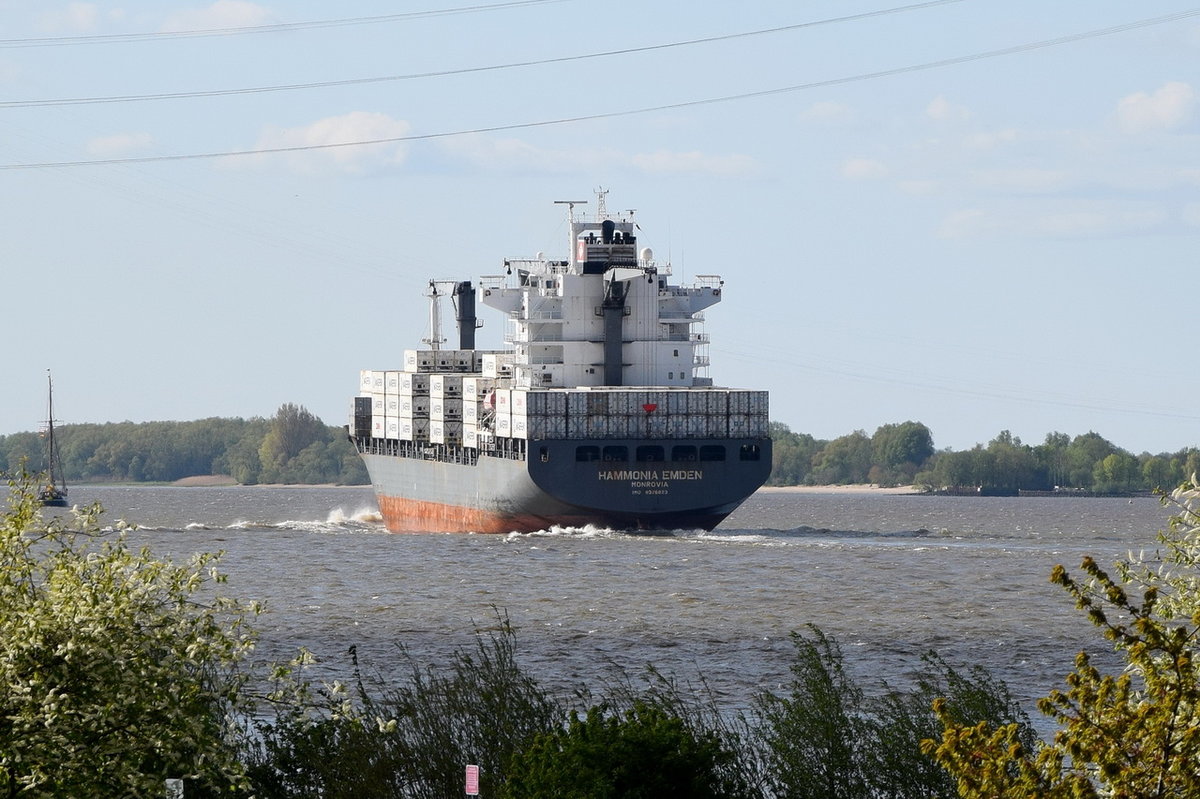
[{"x": 700, "y": 361}]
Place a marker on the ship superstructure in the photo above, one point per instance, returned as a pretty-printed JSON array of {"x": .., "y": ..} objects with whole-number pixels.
[{"x": 601, "y": 412}]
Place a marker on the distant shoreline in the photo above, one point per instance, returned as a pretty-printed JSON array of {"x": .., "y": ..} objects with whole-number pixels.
[
  {"x": 858, "y": 488},
  {"x": 224, "y": 480}
]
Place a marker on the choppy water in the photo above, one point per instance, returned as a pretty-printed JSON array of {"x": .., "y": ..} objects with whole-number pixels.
[{"x": 890, "y": 577}]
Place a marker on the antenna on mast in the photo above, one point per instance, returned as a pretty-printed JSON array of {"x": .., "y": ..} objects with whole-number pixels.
[
  {"x": 601, "y": 208},
  {"x": 570, "y": 208}
]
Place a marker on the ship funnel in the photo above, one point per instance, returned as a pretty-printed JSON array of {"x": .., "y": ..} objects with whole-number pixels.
[
  {"x": 606, "y": 231},
  {"x": 464, "y": 304}
]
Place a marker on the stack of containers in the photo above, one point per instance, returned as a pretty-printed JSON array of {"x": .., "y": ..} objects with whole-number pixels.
[
  {"x": 414, "y": 404},
  {"x": 497, "y": 364},
  {"x": 503, "y": 425},
  {"x": 544, "y": 416},
  {"x": 371, "y": 390},
  {"x": 475, "y": 391},
  {"x": 445, "y": 404}
]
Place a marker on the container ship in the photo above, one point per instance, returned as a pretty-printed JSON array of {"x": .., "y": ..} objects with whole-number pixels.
[{"x": 600, "y": 411}]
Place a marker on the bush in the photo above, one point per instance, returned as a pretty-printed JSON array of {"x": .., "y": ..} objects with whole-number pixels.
[{"x": 119, "y": 670}]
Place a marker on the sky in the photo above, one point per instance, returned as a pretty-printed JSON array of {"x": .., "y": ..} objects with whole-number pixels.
[{"x": 975, "y": 214}]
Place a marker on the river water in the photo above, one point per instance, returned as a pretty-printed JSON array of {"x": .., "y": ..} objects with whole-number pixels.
[{"x": 889, "y": 577}]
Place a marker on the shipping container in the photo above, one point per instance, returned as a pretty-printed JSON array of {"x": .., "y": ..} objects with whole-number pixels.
[
  {"x": 370, "y": 380},
  {"x": 760, "y": 427},
  {"x": 446, "y": 409},
  {"x": 504, "y": 425},
  {"x": 520, "y": 426},
  {"x": 597, "y": 426},
  {"x": 445, "y": 385},
  {"x": 658, "y": 425},
  {"x": 471, "y": 412},
  {"x": 476, "y": 388},
  {"x": 378, "y": 426},
  {"x": 414, "y": 384},
  {"x": 546, "y": 427},
  {"x": 497, "y": 364},
  {"x": 470, "y": 436},
  {"x": 739, "y": 425},
  {"x": 577, "y": 426},
  {"x": 677, "y": 402},
  {"x": 392, "y": 427},
  {"x": 414, "y": 407},
  {"x": 445, "y": 432},
  {"x": 519, "y": 404},
  {"x": 391, "y": 382},
  {"x": 697, "y": 402},
  {"x": 597, "y": 403},
  {"x": 378, "y": 404},
  {"x": 503, "y": 400},
  {"x": 577, "y": 403},
  {"x": 419, "y": 360},
  {"x": 414, "y": 429}
]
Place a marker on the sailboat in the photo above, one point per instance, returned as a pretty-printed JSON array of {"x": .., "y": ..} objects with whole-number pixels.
[{"x": 54, "y": 493}]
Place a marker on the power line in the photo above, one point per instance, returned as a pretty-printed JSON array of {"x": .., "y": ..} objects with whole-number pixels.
[
  {"x": 1023, "y": 48},
  {"x": 114, "y": 38},
  {"x": 126, "y": 98}
]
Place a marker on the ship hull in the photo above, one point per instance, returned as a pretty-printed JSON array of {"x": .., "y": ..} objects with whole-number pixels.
[{"x": 557, "y": 486}]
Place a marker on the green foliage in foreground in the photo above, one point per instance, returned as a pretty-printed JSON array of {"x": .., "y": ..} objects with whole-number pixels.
[
  {"x": 1132, "y": 734},
  {"x": 119, "y": 669},
  {"x": 293, "y": 446},
  {"x": 653, "y": 738}
]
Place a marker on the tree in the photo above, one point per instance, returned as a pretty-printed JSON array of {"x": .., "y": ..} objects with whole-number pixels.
[
  {"x": 643, "y": 754},
  {"x": 119, "y": 670},
  {"x": 292, "y": 430},
  {"x": 791, "y": 455},
  {"x": 1082, "y": 455},
  {"x": 1132, "y": 734},
  {"x": 844, "y": 460},
  {"x": 899, "y": 450}
]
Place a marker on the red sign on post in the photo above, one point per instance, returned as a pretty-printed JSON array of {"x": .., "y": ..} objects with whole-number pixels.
[{"x": 472, "y": 780}]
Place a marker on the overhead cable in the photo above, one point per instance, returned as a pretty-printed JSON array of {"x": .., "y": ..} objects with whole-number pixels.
[{"x": 1007, "y": 51}]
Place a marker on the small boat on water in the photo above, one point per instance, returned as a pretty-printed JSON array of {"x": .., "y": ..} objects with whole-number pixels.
[{"x": 54, "y": 492}]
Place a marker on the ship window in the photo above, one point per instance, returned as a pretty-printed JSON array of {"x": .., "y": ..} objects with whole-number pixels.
[
  {"x": 616, "y": 453},
  {"x": 587, "y": 453},
  {"x": 712, "y": 453},
  {"x": 649, "y": 454},
  {"x": 670, "y": 375},
  {"x": 676, "y": 353},
  {"x": 749, "y": 452},
  {"x": 685, "y": 453}
]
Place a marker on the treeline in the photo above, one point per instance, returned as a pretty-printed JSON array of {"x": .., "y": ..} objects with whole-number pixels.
[
  {"x": 903, "y": 454},
  {"x": 293, "y": 446}
]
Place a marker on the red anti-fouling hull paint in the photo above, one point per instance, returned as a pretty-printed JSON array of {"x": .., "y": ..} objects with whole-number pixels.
[{"x": 416, "y": 516}]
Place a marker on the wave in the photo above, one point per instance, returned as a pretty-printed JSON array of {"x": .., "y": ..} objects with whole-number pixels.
[{"x": 337, "y": 521}]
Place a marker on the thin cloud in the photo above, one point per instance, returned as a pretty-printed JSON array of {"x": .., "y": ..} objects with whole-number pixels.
[
  {"x": 864, "y": 169},
  {"x": 119, "y": 144},
  {"x": 942, "y": 110},
  {"x": 1168, "y": 108},
  {"x": 221, "y": 14},
  {"x": 517, "y": 154},
  {"x": 355, "y": 126},
  {"x": 695, "y": 163},
  {"x": 76, "y": 18}
]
